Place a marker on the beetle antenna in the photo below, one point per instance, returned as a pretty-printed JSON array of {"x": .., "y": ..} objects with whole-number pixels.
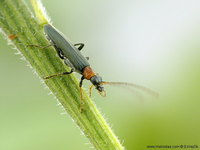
[{"x": 145, "y": 89}]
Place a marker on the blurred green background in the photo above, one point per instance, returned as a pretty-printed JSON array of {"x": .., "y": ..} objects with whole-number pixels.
[{"x": 152, "y": 43}]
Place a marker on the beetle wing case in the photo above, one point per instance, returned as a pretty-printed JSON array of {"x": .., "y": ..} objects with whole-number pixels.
[{"x": 68, "y": 49}]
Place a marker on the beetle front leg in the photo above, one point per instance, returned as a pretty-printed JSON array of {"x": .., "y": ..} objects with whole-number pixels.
[
  {"x": 81, "y": 94},
  {"x": 81, "y": 45}
]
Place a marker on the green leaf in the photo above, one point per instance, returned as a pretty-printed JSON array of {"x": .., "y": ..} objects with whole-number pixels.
[{"x": 21, "y": 29}]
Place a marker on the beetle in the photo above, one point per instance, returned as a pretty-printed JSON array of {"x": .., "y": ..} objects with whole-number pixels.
[{"x": 73, "y": 58}]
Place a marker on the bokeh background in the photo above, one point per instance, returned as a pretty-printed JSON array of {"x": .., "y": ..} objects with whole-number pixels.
[{"x": 153, "y": 43}]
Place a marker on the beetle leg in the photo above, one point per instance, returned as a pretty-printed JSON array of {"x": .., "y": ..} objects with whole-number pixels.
[
  {"x": 59, "y": 51},
  {"x": 87, "y": 58},
  {"x": 91, "y": 90},
  {"x": 68, "y": 63},
  {"x": 81, "y": 94},
  {"x": 60, "y": 54},
  {"x": 60, "y": 74},
  {"x": 81, "y": 45},
  {"x": 42, "y": 47}
]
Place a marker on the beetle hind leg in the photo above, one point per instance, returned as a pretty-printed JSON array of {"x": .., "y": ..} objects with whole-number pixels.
[
  {"x": 59, "y": 74},
  {"x": 41, "y": 47},
  {"x": 81, "y": 45},
  {"x": 68, "y": 63}
]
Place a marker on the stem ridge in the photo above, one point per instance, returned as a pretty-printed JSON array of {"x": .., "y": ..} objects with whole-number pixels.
[{"x": 16, "y": 19}]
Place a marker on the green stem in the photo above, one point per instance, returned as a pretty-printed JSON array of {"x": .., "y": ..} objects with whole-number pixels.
[{"x": 21, "y": 29}]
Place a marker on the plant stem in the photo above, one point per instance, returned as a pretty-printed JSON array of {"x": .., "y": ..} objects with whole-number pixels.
[{"x": 21, "y": 29}]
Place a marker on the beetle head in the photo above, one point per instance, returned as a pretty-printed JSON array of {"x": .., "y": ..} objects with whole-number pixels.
[{"x": 97, "y": 82}]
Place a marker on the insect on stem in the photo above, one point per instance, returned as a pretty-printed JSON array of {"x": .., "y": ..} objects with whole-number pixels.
[{"x": 73, "y": 58}]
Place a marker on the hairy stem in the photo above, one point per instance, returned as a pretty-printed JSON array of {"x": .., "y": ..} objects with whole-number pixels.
[{"x": 21, "y": 29}]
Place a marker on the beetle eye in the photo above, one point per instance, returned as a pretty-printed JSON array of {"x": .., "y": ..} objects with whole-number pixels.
[{"x": 100, "y": 88}]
